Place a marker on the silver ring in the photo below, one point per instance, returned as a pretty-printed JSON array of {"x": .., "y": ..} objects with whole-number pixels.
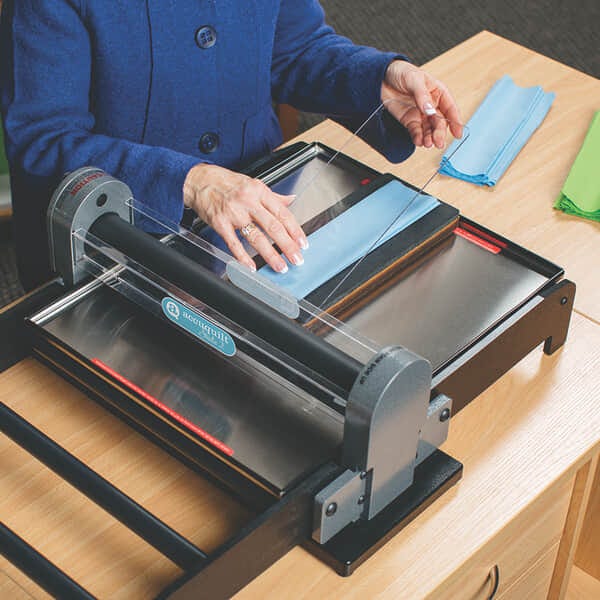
[{"x": 247, "y": 230}]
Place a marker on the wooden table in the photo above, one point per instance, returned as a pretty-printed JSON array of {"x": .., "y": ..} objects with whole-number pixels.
[{"x": 529, "y": 444}]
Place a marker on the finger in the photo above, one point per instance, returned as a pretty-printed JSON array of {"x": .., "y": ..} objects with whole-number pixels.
[
  {"x": 449, "y": 109},
  {"x": 277, "y": 231},
  {"x": 438, "y": 128},
  {"x": 422, "y": 96},
  {"x": 398, "y": 108},
  {"x": 285, "y": 199},
  {"x": 227, "y": 232},
  {"x": 257, "y": 239},
  {"x": 427, "y": 132},
  {"x": 415, "y": 129},
  {"x": 284, "y": 215},
  {"x": 249, "y": 200}
]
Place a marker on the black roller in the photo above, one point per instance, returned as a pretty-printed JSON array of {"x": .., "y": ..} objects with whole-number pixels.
[{"x": 242, "y": 308}]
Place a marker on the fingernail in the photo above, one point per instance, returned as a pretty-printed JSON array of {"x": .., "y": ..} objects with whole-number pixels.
[
  {"x": 297, "y": 259},
  {"x": 251, "y": 266},
  {"x": 283, "y": 269},
  {"x": 303, "y": 243},
  {"x": 429, "y": 110}
]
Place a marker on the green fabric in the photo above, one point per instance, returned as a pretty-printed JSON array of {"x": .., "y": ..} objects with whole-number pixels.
[
  {"x": 580, "y": 195},
  {"x": 3, "y": 163}
]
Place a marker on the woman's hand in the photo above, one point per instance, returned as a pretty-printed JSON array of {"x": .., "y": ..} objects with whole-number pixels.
[
  {"x": 228, "y": 201},
  {"x": 423, "y": 104}
]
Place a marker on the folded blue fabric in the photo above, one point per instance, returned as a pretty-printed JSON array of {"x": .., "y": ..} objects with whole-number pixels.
[
  {"x": 500, "y": 127},
  {"x": 351, "y": 235}
]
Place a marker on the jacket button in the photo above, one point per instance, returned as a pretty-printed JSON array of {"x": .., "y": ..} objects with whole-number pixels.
[
  {"x": 206, "y": 37},
  {"x": 208, "y": 143}
]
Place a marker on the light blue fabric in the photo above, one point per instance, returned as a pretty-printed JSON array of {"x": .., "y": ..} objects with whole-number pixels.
[
  {"x": 351, "y": 235},
  {"x": 500, "y": 127}
]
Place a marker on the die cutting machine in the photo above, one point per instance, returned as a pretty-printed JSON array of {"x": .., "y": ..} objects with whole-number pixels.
[{"x": 320, "y": 400}]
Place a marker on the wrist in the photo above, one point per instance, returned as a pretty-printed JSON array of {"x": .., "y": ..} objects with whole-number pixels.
[{"x": 190, "y": 184}]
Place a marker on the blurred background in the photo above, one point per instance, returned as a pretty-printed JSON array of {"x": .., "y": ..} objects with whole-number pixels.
[{"x": 567, "y": 32}]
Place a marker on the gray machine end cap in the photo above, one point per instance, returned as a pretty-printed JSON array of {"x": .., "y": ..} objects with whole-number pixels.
[
  {"x": 386, "y": 410},
  {"x": 80, "y": 198}
]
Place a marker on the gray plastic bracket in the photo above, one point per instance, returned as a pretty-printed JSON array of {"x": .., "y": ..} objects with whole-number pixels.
[
  {"x": 82, "y": 197},
  {"x": 386, "y": 411},
  {"x": 338, "y": 504}
]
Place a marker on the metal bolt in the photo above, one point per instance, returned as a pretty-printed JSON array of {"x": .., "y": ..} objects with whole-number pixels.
[
  {"x": 563, "y": 300},
  {"x": 331, "y": 509},
  {"x": 363, "y": 474},
  {"x": 445, "y": 415},
  {"x": 361, "y": 499}
]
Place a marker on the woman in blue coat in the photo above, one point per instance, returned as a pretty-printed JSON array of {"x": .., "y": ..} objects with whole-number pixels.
[{"x": 171, "y": 96}]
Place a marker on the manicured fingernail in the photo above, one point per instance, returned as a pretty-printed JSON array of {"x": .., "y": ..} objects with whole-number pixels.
[
  {"x": 282, "y": 269},
  {"x": 429, "y": 110},
  {"x": 303, "y": 243},
  {"x": 297, "y": 259}
]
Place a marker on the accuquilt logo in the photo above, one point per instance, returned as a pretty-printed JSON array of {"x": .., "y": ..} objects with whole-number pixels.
[
  {"x": 172, "y": 309},
  {"x": 198, "y": 326}
]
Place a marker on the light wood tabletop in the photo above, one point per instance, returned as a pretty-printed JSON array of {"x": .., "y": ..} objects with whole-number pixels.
[{"x": 529, "y": 444}]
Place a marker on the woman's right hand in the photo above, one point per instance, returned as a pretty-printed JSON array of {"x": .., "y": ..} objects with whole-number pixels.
[{"x": 230, "y": 201}]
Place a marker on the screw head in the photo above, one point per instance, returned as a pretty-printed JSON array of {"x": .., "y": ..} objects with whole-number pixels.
[
  {"x": 363, "y": 474},
  {"x": 361, "y": 499},
  {"x": 563, "y": 300},
  {"x": 331, "y": 509},
  {"x": 445, "y": 415}
]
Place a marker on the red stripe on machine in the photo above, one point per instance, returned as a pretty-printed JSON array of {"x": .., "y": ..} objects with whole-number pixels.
[
  {"x": 164, "y": 408},
  {"x": 477, "y": 240},
  {"x": 484, "y": 235}
]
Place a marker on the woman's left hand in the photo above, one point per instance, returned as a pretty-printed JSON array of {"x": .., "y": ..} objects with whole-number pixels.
[{"x": 422, "y": 104}]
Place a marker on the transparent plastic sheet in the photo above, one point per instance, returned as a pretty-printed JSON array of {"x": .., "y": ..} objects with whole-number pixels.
[
  {"x": 326, "y": 184},
  {"x": 326, "y": 188},
  {"x": 218, "y": 261},
  {"x": 149, "y": 291}
]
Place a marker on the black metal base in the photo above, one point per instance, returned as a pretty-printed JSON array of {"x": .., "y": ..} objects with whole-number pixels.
[
  {"x": 357, "y": 542},
  {"x": 544, "y": 319},
  {"x": 14, "y": 345}
]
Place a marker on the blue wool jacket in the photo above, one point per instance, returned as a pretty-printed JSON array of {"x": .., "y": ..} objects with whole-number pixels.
[{"x": 126, "y": 85}]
